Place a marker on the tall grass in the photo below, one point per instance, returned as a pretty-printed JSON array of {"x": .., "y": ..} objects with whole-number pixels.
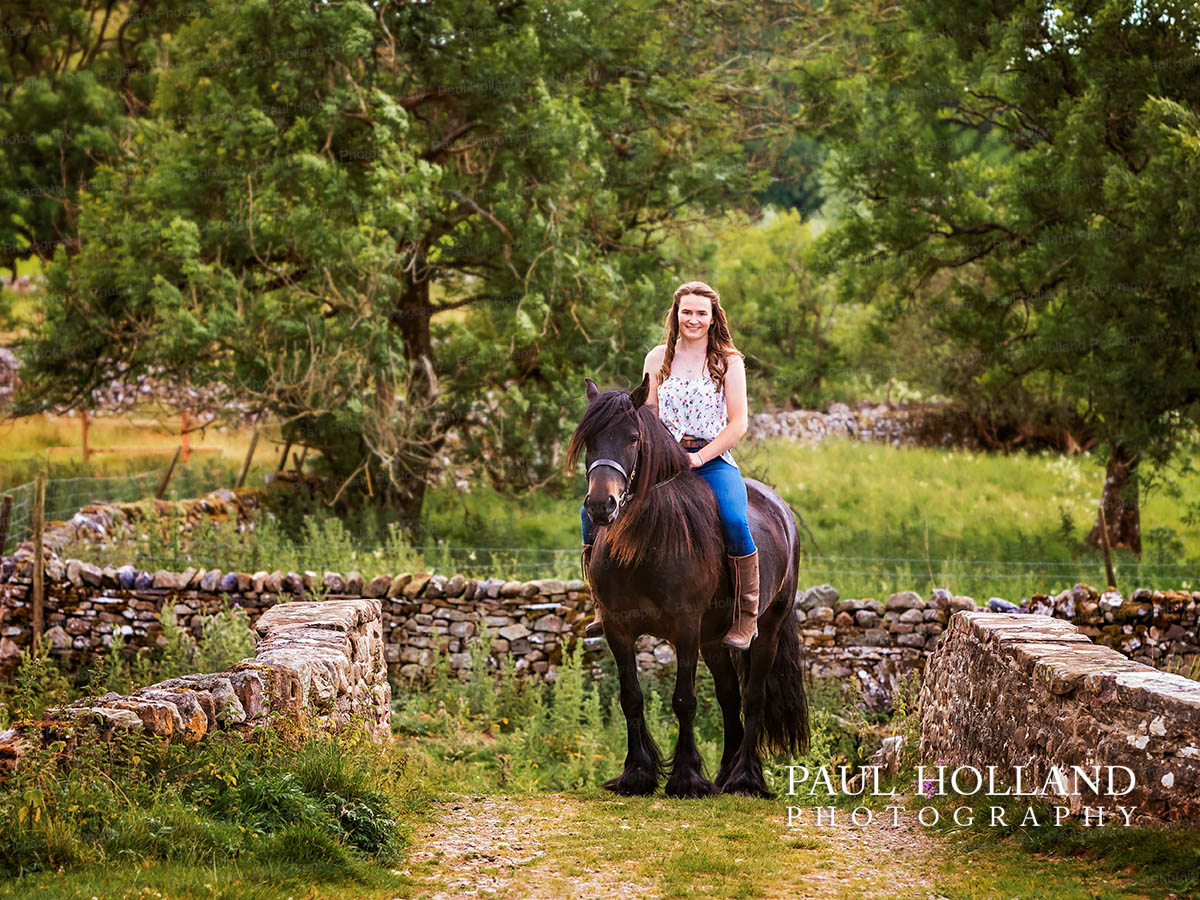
[{"x": 498, "y": 729}]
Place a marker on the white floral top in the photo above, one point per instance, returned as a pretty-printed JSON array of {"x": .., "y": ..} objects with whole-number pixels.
[{"x": 694, "y": 406}]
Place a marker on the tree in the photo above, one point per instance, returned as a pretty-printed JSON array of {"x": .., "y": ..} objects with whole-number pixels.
[
  {"x": 1061, "y": 250},
  {"x": 71, "y": 75},
  {"x": 406, "y": 228}
]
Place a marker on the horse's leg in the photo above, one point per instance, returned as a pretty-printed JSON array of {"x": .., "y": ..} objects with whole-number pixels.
[
  {"x": 687, "y": 779},
  {"x": 746, "y": 773},
  {"x": 729, "y": 695},
  {"x": 642, "y": 761}
]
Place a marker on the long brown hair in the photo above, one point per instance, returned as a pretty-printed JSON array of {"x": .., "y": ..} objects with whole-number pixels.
[{"x": 720, "y": 344}]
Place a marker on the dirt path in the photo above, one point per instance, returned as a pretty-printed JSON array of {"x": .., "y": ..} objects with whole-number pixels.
[{"x": 557, "y": 846}]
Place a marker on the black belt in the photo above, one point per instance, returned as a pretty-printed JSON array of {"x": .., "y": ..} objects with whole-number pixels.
[{"x": 691, "y": 442}]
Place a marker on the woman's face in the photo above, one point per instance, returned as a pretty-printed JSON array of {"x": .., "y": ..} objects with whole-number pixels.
[{"x": 695, "y": 315}]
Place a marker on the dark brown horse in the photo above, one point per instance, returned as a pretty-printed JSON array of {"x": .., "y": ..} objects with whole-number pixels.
[{"x": 658, "y": 567}]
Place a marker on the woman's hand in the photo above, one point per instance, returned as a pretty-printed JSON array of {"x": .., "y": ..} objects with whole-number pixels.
[{"x": 695, "y": 460}]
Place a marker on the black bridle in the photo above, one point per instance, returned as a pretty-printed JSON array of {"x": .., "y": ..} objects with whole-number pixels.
[{"x": 628, "y": 476}]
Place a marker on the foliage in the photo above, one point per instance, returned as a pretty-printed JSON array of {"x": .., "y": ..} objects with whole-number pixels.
[
  {"x": 344, "y": 212},
  {"x": 1025, "y": 179},
  {"x": 524, "y": 733},
  {"x": 39, "y": 683},
  {"x": 331, "y": 804}
]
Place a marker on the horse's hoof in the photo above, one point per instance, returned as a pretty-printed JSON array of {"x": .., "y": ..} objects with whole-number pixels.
[
  {"x": 690, "y": 785},
  {"x": 633, "y": 782},
  {"x": 747, "y": 788}
]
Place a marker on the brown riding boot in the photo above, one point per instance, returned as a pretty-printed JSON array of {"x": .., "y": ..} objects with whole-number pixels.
[
  {"x": 595, "y": 628},
  {"x": 745, "y": 613}
]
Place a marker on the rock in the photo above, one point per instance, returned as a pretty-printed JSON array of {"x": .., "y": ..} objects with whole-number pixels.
[
  {"x": 663, "y": 654},
  {"x": 1111, "y": 601},
  {"x": 378, "y": 586},
  {"x": 354, "y": 583},
  {"x": 866, "y": 618},
  {"x": 58, "y": 638},
  {"x": 164, "y": 580},
  {"x": 462, "y": 629},
  {"x": 399, "y": 583},
  {"x": 551, "y": 623},
  {"x": 334, "y": 583},
  {"x": 904, "y": 600},
  {"x": 514, "y": 632},
  {"x": 996, "y": 604},
  {"x": 126, "y": 575},
  {"x": 821, "y": 595},
  {"x": 414, "y": 588}
]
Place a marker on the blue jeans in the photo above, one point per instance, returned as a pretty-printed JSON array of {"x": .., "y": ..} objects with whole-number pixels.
[{"x": 727, "y": 484}]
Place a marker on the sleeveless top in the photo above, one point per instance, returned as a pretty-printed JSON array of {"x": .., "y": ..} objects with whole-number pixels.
[{"x": 694, "y": 406}]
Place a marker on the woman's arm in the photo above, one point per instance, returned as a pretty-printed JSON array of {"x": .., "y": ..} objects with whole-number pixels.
[{"x": 736, "y": 410}]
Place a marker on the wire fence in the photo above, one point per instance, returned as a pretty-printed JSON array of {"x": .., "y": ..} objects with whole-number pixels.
[
  {"x": 853, "y": 575},
  {"x": 67, "y": 496}
]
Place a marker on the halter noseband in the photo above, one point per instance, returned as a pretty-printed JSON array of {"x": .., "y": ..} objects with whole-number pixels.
[{"x": 628, "y": 491}]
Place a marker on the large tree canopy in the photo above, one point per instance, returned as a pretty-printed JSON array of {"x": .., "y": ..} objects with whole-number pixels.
[
  {"x": 1029, "y": 177},
  {"x": 390, "y": 221}
]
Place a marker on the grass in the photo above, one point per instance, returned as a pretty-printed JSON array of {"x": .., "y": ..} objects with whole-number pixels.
[
  {"x": 228, "y": 817},
  {"x": 884, "y": 519}
]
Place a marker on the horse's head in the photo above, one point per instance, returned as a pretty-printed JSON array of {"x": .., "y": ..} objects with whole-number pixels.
[
  {"x": 613, "y": 447},
  {"x": 634, "y": 462}
]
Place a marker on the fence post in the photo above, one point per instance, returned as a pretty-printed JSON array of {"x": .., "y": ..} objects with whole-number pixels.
[
  {"x": 1108, "y": 566},
  {"x": 283, "y": 459},
  {"x": 246, "y": 462},
  {"x": 184, "y": 436},
  {"x": 39, "y": 563},
  {"x": 5, "y": 516},
  {"x": 162, "y": 487},
  {"x": 85, "y": 421}
]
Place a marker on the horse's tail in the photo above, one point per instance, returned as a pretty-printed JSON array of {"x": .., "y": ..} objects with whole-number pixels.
[
  {"x": 785, "y": 724},
  {"x": 785, "y": 708}
]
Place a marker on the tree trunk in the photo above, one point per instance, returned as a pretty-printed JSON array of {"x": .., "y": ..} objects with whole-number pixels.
[
  {"x": 1120, "y": 502},
  {"x": 412, "y": 318}
]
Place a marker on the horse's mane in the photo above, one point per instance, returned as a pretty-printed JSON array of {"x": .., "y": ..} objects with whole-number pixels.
[{"x": 681, "y": 506}]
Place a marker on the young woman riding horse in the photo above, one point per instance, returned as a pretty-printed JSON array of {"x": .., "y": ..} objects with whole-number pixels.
[
  {"x": 698, "y": 388},
  {"x": 659, "y": 561}
]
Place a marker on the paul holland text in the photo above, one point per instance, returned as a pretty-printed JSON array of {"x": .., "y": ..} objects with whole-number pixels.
[{"x": 1061, "y": 782}]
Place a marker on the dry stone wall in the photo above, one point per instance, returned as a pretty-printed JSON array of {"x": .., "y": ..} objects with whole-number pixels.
[
  {"x": 870, "y": 642},
  {"x": 320, "y": 664},
  {"x": 1009, "y": 690}
]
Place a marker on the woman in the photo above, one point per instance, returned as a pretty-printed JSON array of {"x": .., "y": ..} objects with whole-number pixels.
[{"x": 698, "y": 386}]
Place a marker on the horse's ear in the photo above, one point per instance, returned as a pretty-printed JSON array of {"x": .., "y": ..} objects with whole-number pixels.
[
  {"x": 639, "y": 394},
  {"x": 592, "y": 391}
]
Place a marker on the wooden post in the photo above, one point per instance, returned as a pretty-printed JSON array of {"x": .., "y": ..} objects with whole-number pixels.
[
  {"x": 184, "y": 437},
  {"x": 283, "y": 459},
  {"x": 300, "y": 459},
  {"x": 39, "y": 563},
  {"x": 246, "y": 462},
  {"x": 85, "y": 420},
  {"x": 5, "y": 516},
  {"x": 162, "y": 487},
  {"x": 1108, "y": 567}
]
